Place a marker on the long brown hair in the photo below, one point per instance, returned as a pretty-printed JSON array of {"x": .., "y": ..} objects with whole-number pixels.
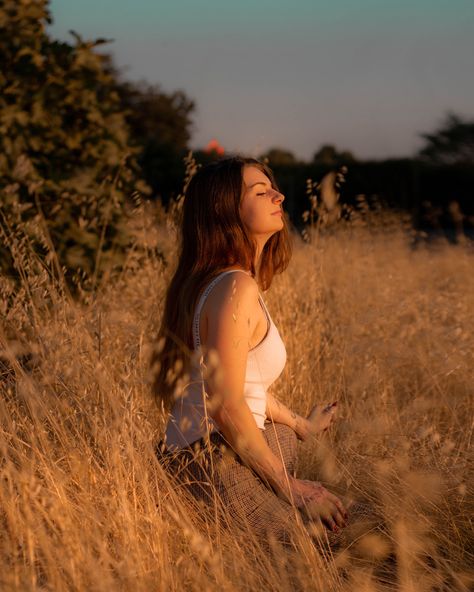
[{"x": 212, "y": 237}]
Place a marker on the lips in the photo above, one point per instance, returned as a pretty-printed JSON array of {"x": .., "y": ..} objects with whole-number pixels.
[{"x": 277, "y": 212}]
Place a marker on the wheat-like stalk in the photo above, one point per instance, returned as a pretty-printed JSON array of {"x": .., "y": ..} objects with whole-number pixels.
[{"x": 385, "y": 329}]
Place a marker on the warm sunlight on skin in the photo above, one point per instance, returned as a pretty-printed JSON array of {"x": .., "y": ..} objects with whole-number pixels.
[{"x": 260, "y": 206}]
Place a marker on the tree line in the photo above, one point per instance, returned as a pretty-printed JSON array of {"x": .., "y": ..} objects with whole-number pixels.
[{"x": 78, "y": 143}]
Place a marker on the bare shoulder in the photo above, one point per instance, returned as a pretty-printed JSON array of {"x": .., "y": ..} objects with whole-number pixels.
[
  {"x": 231, "y": 313},
  {"x": 234, "y": 291}
]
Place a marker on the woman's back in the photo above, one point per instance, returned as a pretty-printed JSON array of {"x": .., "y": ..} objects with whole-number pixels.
[{"x": 189, "y": 419}]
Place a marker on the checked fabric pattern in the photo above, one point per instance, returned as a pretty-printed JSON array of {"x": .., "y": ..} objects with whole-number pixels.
[{"x": 217, "y": 478}]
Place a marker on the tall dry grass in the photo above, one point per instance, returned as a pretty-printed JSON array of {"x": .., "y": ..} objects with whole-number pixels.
[{"x": 385, "y": 329}]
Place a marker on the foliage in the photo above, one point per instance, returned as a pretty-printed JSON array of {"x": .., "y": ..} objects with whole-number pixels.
[
  {"x": 451, "y": 143},
  {"x": 66, "y": 165},
  {"x": 329, "y": 155},
  {"x": 279, "y": 157},
  {"x": 159, "y": 125}
]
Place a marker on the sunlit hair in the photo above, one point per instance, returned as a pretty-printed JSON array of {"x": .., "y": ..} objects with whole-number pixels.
[{"x": 212, "y": 237}]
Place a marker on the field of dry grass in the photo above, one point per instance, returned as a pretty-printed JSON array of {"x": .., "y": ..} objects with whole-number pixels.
[{"x": 385, "y": 329}]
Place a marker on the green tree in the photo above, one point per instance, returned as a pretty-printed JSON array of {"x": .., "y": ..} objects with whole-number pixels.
[
  {"x": 160, "y": 125},
  {"x": 329, "y": 155},
  {"x": 65, "y": 157},
  {"x": 451, "y": 143},
  {"x": 279, "y": 157}
]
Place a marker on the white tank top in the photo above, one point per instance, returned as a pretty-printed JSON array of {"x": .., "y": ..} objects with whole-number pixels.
[{"x": 188, "y": 420}]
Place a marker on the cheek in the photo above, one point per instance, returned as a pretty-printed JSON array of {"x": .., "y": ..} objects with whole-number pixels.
[
  {"x": 250, "y": 215},
  {"x": 246, "y": 212}
]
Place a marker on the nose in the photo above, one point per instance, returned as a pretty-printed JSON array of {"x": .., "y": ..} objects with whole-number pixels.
[{"x": 278, "y": 197}]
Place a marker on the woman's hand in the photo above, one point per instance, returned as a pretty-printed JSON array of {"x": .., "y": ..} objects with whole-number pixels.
[
  {"x": 318, "y": 420},
  {"x": 319, "y": 503}
]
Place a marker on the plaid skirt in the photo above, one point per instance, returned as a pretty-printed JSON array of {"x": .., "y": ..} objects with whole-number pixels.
[{"x": 220, "y": 481}]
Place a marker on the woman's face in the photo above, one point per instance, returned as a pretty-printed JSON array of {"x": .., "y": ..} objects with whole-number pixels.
[{"x": 260, "y": 206}]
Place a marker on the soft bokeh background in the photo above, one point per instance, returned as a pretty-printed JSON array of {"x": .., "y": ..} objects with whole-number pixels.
[
  {"x": 367, "y": 76},
  {"x": 376, "y": 308}
]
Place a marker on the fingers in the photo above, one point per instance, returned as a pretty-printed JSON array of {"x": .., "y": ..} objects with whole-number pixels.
[
  {"x": 335, "y": 500},
  {"x": 329, "y": 523},
  {"x": 319, "y": 502},
  {"x": 335, "y": 518},
  {"x": 331, "y": 511},
  {"x": 327, "y": 512},
  {"x": 339, "y": 518},
  {"x": 339, "y": 514},
  {"x": 332, "y": 519},
  {"x": 320, "y": 409},
  {"x": 330, "y": 407},
  {"x": 315, "y": 411},
  {"x": 327, "y": 519}
]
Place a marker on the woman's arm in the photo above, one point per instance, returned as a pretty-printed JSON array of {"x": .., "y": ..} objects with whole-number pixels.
[
  {"x": 317, "y": 421},
  {"x": 279, "y": 413},
  {"x": 230, "y": 327}
]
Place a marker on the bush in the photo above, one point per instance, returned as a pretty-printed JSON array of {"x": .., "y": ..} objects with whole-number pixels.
[{"x": 66, "y": 164}]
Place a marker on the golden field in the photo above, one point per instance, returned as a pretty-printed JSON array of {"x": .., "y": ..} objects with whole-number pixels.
[{"x": 384, "y": 328}]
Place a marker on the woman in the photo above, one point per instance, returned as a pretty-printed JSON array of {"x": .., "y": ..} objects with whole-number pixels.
[{"x": 220, "y": 352}]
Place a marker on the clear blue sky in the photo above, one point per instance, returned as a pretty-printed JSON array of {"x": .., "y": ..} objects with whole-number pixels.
[{"x": 366, "y": 75}]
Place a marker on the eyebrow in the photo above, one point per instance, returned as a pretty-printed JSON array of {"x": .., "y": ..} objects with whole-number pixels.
[{"x": 257, "y": 183}]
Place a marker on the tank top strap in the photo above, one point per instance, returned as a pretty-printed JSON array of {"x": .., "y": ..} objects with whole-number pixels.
[
  {"x": 265, "y": 308},
  {"x": 202, "y": 299}
]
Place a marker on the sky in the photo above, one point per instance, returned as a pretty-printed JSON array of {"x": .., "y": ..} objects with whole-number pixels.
[{"x": 365, "y": 75}]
